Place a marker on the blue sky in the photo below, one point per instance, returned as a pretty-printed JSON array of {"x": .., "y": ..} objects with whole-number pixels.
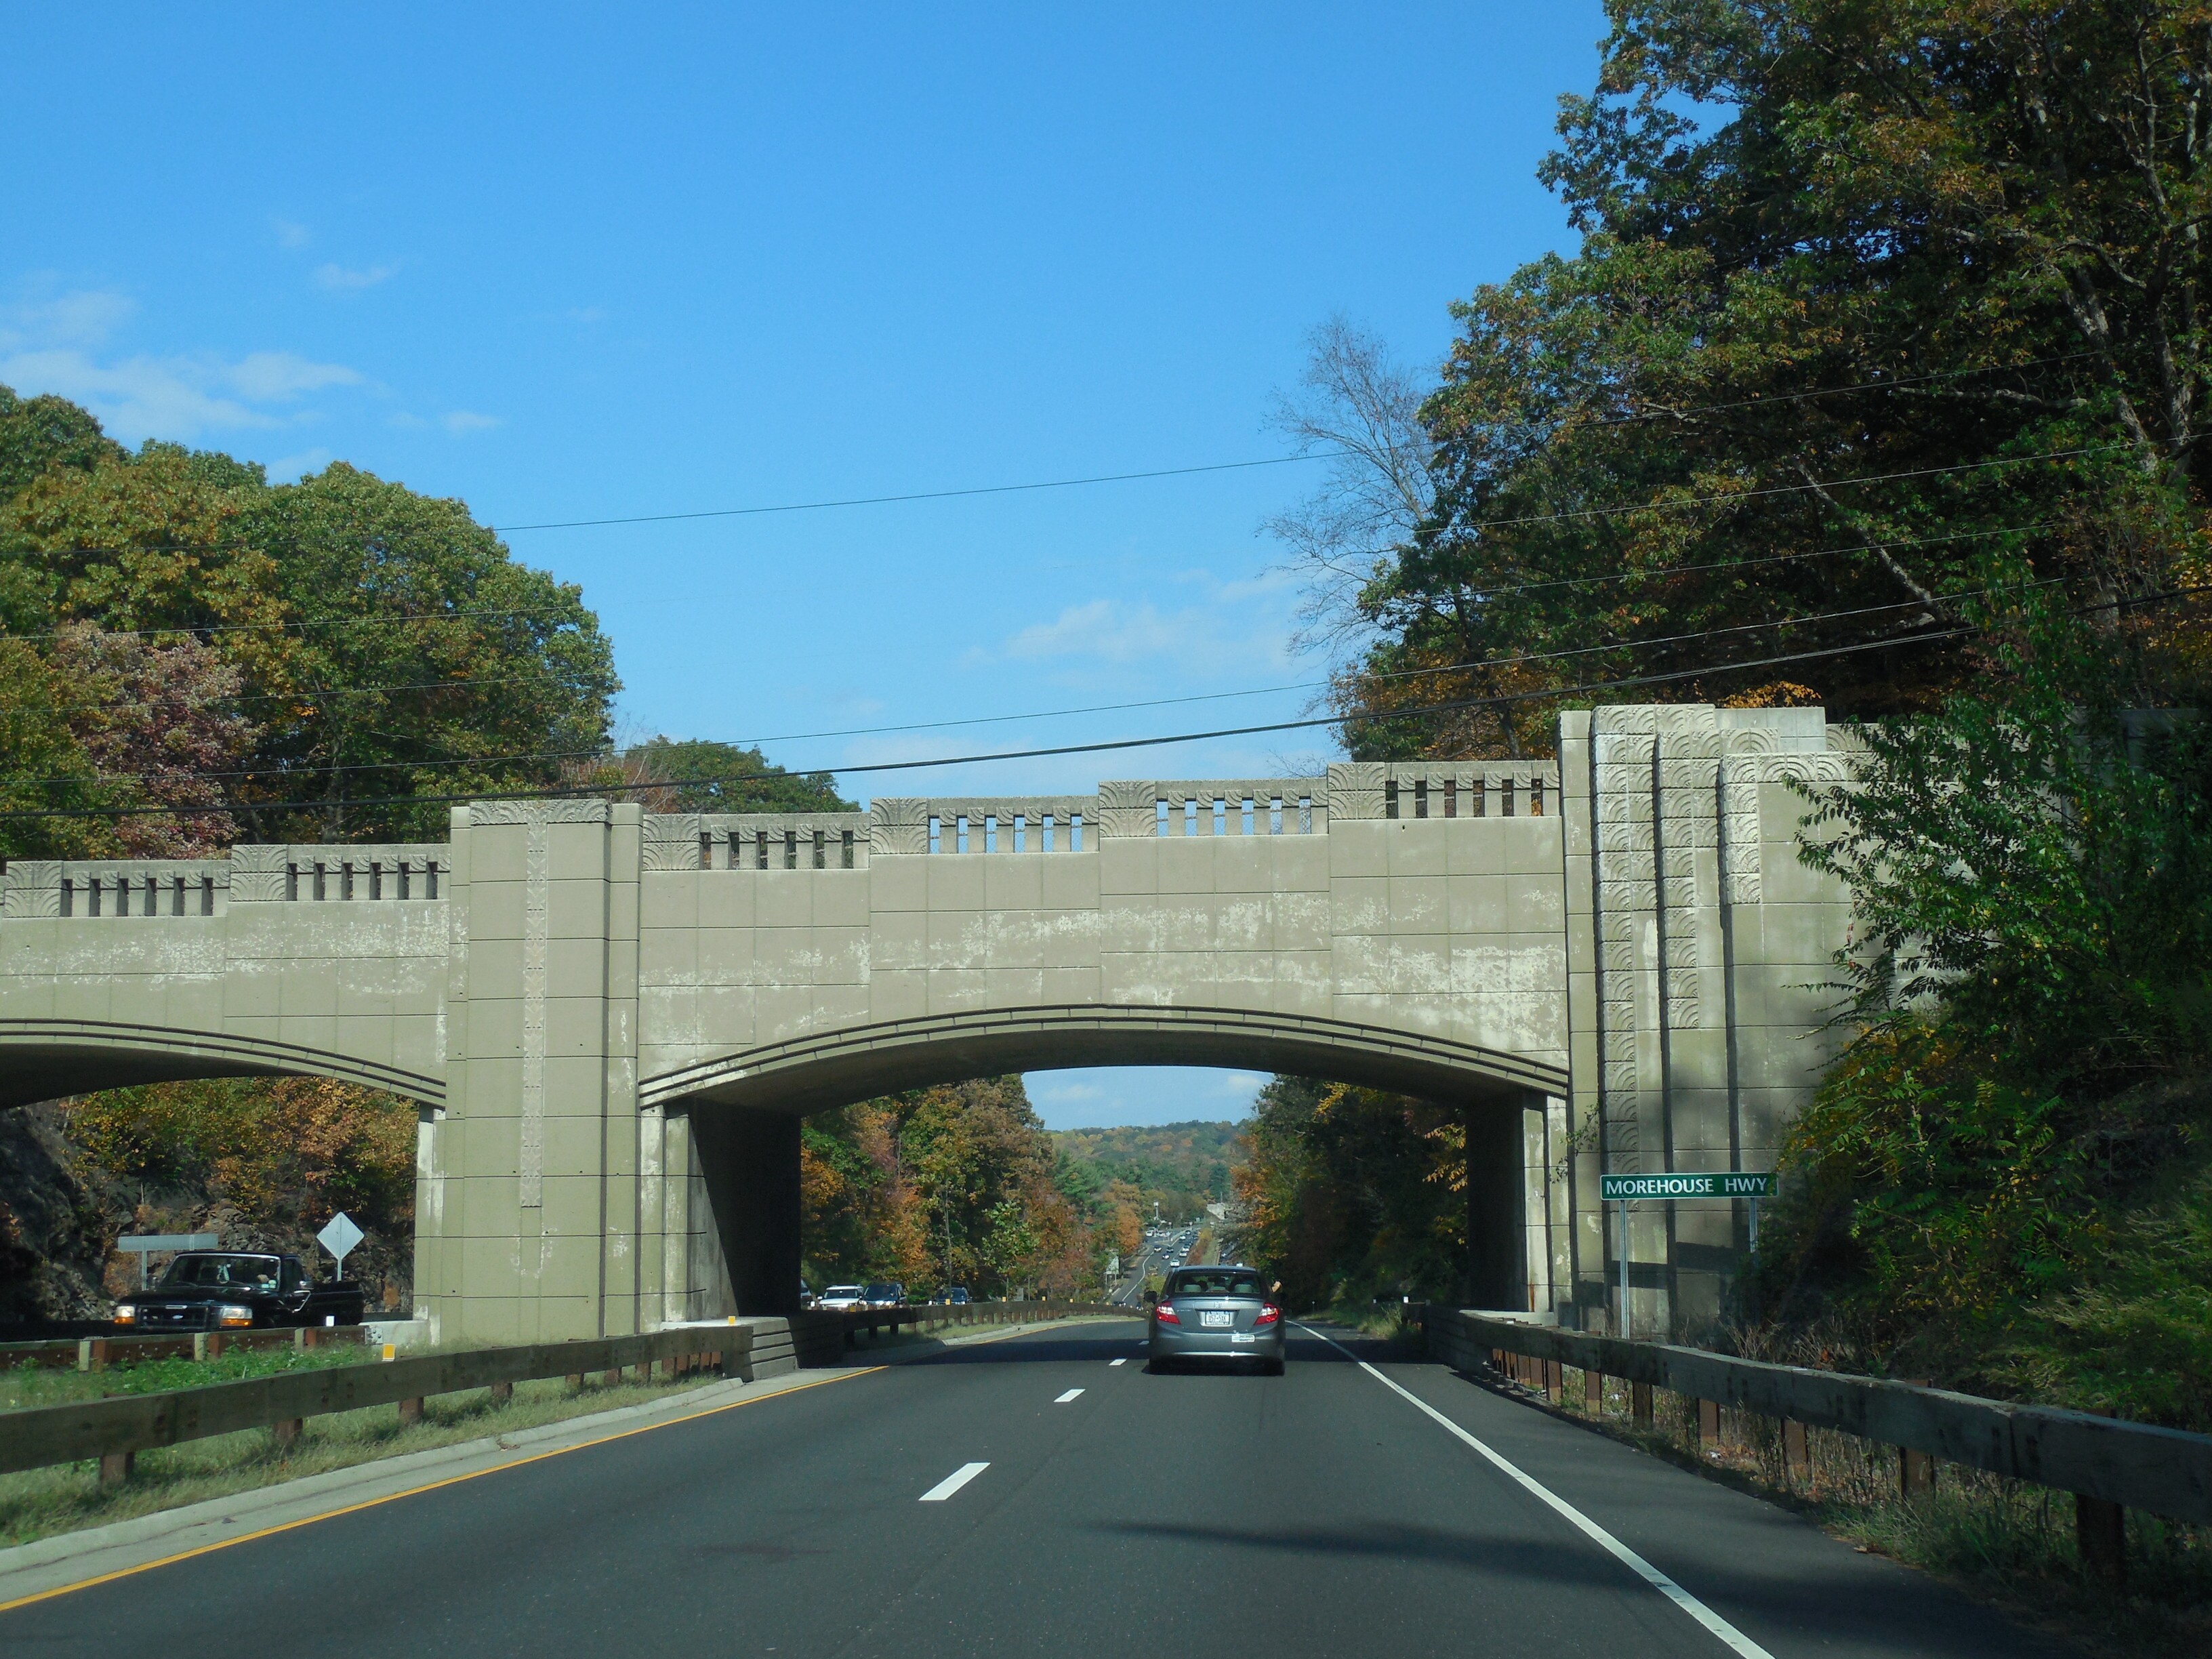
[{"x": 569, "y": 263}]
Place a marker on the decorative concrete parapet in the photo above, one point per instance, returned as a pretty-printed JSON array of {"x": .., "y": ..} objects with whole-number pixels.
[
  {"x": 116, "y": 887},
  {"x": 756, "y": 841},
  {"x": 1171, "y": 807},
  {"x": 313, "y": 872},
  {"x": 1461, "y": 789},
  {"x": 986, "y": 824}
]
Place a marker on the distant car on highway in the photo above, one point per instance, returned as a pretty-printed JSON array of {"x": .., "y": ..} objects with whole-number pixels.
[
  {"x": 841, "y": 1299},
  {"x": 885, "y": 1293},
  {"x": 1216, "y": 1313},
  {"x": 954, "y": 1295}
]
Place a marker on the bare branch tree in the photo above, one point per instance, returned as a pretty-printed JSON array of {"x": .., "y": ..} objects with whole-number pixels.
[{"x": 1355, "y": 403}]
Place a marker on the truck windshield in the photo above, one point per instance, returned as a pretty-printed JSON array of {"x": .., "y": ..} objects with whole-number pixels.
[{"x": 254, "y": 1272}]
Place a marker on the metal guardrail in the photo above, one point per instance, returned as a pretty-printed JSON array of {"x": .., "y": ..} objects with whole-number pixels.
[
  {"x": 115, "y": 1429},
  {"x": 2135, "y": 1466}
]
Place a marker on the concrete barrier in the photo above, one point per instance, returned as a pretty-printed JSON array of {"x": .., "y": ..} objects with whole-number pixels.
[{"x": 2135, "y": 1466}]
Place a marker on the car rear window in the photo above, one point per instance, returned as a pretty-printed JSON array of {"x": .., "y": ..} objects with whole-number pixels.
[
  {"x": 1215, "y": 1281},
  {"x": 195, "y": 1272}
]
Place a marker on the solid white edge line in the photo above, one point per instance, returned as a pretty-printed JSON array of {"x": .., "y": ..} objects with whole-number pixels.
[
  {"x": 1069, "y": 1395},
  {"x": 1730, "y": 1637},
  {"x": 952, "y": 1482}
]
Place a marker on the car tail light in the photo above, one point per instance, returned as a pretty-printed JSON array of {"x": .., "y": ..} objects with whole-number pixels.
[
  {"x": 1166, "y": 1314},
  {"x": 1268, "y": 1315}
]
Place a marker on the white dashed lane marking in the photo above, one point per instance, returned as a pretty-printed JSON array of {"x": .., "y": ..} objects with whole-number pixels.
[
  {"x": 952, "y": 1482},
  {"x": 1069, "y": 1396},
  {"x": 1112, "y": 1362}
]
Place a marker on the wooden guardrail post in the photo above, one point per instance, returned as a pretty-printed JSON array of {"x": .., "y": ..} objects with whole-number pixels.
[
  {"x": 1916, "y": 1470},
  {"x": 1593, "y": 1393},
  {"x": 502, "y": 1394},
  {"x": 1709, "y": 1424},
  {"x": 2100, "y": 1534},
  {"x": 1796, "y": 1454},
  {"x": 115, "y": 1468},
  {"x": 1639, "y": 1404},
  {"x": 287, "y": 1431},
  {"x": 410, "y": 1411},
  {"x": 92, "y": 1354}
]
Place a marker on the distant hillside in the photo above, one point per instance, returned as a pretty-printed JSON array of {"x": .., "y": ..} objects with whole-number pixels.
[{"x": 1184, "y": 1165}]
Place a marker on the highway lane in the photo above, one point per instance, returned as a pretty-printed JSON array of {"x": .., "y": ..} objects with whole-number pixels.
[{"x": 1317, "y": 1513}]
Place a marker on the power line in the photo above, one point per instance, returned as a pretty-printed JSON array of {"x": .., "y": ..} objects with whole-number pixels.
[
  {"x": 1521, "y": 660},
  {"x": 1025, "y": 754},
  {"x": 915, "y": 495},
  {"x": 1170, "y": 472},
  {"x": 404, "y": 619},
  {"x": 1892, "y": 385},
  {"x": 1506, "y": 590},
  {"x": 1496, "y": 700},
  {"x": 1780, "y": 490}
]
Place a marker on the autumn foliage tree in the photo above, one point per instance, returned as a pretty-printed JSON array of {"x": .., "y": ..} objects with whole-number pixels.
[{"x": 951, "y": 1185}]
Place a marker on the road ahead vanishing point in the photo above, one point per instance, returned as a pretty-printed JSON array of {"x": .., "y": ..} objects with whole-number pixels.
[{"x": 1032, "y": 1496}]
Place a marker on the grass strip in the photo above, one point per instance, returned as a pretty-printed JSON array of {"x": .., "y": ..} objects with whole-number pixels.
[{"x": 68, "y": 1497}]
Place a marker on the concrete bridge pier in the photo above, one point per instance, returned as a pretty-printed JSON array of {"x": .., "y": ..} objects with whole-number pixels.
[
  {"x": 748, "y": 1163},
  {"x": 1497, "y": 1239}
]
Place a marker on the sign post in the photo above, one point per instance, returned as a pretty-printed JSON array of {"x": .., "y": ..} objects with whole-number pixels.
[
  {"x": 340, "y": 1236},
  {"x": 1624, "y": 1189},
  {"x": 145, "y": 1243}
]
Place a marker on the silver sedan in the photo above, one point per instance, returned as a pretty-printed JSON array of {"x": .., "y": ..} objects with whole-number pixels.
[{"x": 1215, "y": 1314}]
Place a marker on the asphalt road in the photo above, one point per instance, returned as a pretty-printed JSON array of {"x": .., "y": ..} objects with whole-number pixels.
[{"x": 1319, "y": 1513}]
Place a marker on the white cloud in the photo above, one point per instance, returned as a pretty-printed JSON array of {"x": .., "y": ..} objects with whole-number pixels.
[
  {"x": 295, "y": 467},
  {"x": 290, "y": 233},
  {"x": 48, "y": 344},
  {"x": 339, "y": 279},
  {"x": 85, "y": 317},
  {"x": 139, "y": 396},
  {"x": 467, "y": 420},
  {"x": 281, "y": 376},
  {"x": 1228, "y": 629}
]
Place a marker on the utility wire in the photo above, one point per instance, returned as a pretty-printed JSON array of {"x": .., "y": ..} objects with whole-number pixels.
[
  {"x": 1647, "y": 574},
  {"x": 1563, "y": 654},
  {"x": 1496, "y": 700},
  {"x": 1182, "y": 472}
]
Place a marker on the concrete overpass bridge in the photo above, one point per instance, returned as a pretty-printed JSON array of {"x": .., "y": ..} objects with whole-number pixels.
[{"x": 613, "y": 1021}]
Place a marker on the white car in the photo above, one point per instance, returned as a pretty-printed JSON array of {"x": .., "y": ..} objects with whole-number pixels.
[{"x": 840, "y": 1298}]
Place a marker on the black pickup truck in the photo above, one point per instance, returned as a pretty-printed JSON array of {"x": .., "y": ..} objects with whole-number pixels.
[{"x": 236, "y": 1291}]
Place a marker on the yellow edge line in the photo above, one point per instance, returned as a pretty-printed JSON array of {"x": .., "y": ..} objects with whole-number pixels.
[{"x": 416, "y": 1492}]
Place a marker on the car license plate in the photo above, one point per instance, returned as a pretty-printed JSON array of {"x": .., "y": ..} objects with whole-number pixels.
[
  {"x": 1243, "y": 1336},
  {"x": 1217, "y": 1321}
]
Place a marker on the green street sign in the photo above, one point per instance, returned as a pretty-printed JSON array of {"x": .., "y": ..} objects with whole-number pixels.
[{"x": 1723, "y": 1184}]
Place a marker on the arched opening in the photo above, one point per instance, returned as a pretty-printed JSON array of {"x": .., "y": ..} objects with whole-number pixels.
[
  {"x": 165, "y": 1131},
  {"x": 43, "y": 1059},
  {"x": 741, "y": 1112}
]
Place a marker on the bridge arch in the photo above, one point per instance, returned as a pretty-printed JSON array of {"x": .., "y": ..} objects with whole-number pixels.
[
  {"x": 44, "y": 1059},
  {"x": 815, "y": 1073},
  {"x": 740, "y": 1112}
]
